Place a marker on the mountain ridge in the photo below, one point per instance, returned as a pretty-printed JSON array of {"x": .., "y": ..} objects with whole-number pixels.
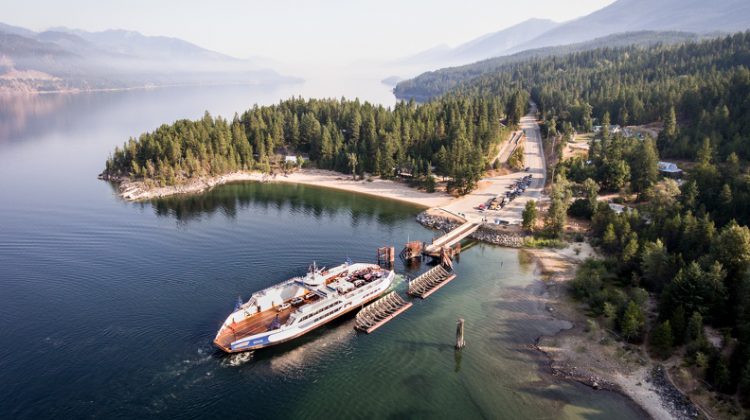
[
  {"x": 696, "y": 16},
  {"x": 621, "y": 16},
  {"x": 63, "y": 59},
  {"x": 485, "y": 46}
]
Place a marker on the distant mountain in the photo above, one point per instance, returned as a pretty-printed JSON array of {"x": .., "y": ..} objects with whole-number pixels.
[
  {"x": 69, "y": 59},
  {"x": 131, "y": 43},
  {"x": 622, "y": 16},
  {"x": 486, "y": 46},
  {"x": 12, "y": 45},
  {"x": 435, "y": 83},
  {"x": 698, "y": 16},
  {"x": 499, "y": 43},
  {"x": 16, "y": 30}
]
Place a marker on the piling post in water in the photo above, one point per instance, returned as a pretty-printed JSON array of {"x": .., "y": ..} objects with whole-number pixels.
[
  {"x": 386, "y": 256},
  {"x": 460, "y": 343}
]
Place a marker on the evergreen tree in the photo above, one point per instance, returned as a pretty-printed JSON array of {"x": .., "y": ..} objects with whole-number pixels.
[
  {"x": 678, "y": 323},
  {"x": 632, "y": 322},
  {"x": 662, "y": 340},
  {"x": 694, "y": 331},
  {"x": 591, "y": 190},
  {"x": 644, "y": 170},
  {"x": 529, "y": 215}
]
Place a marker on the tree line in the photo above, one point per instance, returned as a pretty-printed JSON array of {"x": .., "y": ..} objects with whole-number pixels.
[
  {"x": 452, "y": 136},
  {"x": 703, "y": 86}
]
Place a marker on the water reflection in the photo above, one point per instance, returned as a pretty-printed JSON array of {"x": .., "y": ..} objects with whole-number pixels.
[
  {"x": 229, "y": 200},
  {"x": 19, "y": 112}
]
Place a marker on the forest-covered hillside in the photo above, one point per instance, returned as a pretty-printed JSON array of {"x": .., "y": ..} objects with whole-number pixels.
[
  {"x": 706, "y": 83},
  {"x": 452, "y": 134},
  {"x": 435, "y": 83}
]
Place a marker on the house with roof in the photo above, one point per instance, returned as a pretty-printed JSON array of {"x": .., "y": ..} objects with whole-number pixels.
[{"x": 669, "y": 169}]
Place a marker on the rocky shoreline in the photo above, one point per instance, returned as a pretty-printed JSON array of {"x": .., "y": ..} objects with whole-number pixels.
[
  {"x": 139, "y": 190},
  {"x": 675, "y": 400},
  {"x": 672, "y": 400},
  {"x": 569, "y": 372}
]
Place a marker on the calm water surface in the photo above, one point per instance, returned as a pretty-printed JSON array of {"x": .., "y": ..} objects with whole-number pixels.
[{"x": 108, "y": 308}]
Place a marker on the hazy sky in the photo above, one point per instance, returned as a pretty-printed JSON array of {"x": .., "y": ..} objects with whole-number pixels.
[{"x": 289, "y": 30}]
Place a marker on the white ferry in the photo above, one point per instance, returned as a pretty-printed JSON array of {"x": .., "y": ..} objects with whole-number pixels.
[{"x": 299, "y": 305}]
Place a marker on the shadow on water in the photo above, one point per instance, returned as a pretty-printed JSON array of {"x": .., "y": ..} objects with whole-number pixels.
[
  {"x": 230, "y": 199},
  {"x": 457, "y": 356}
]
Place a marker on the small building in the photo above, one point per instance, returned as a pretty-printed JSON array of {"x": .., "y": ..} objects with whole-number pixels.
[
  {"x": 293, "y": 159},
  {"x": 613, "y": 129},
  {"x": 618, "y": 208},
  {"x": 669, "y": 169}
]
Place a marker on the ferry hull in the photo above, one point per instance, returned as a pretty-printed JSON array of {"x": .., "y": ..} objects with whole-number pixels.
[
  {"x": 264, "y": 342},
  {"x": 279, "y": 336}
]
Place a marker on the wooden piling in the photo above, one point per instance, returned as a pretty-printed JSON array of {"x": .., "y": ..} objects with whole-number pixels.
[
  {"x": 386, "y": 256},
  {"x": 460, "y": 343}
]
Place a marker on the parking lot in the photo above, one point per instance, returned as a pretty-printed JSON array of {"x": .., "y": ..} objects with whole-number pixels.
[{"x": 498, "y": 186}]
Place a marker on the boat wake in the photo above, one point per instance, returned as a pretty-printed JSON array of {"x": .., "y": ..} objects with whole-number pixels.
[
  {"x": 398, "y": 280},
  {"x": 238, "y": 359}
]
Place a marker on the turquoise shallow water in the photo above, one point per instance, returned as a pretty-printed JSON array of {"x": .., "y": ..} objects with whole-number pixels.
[{"x": 108, "y": 308}]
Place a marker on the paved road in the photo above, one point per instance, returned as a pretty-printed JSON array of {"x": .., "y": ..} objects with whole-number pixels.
[
  {"x": 508, "y": 147},
  {"x": 498, "y": 185}
]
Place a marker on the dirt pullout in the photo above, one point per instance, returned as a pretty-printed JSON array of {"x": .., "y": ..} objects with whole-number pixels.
[{"x": 588, "y": 353}]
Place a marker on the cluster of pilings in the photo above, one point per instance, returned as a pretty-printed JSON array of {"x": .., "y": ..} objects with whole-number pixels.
[
  {"x": 386, "y": 256},
  {"x": 430, "y": 281},
  {"x": 381, "y": 311}
]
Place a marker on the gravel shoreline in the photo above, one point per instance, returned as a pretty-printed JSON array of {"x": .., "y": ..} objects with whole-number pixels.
[
  {"x": 591, "y": 357},
  {"x": 388, "y": 189}
]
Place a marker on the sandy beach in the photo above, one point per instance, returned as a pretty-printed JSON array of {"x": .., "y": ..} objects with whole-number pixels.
[{"x": 137, "y": 191}]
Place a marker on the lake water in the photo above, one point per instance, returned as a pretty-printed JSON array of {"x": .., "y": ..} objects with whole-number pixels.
[{"x": 108, "y": 308}]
